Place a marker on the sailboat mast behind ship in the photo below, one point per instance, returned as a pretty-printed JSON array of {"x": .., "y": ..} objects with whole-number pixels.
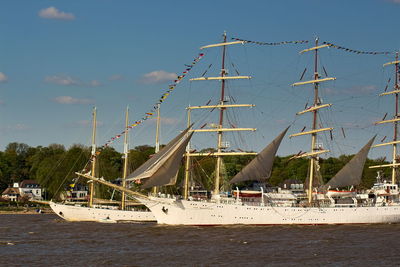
[
  {"x": 91, "y": 185},
  {"x": 157, "y": 147},
  {"x": 126, "y": 154},
  {"x": 396, "y": 118}
]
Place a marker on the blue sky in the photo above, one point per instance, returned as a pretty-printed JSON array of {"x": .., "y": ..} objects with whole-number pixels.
[{"x": 58, "y": 59}]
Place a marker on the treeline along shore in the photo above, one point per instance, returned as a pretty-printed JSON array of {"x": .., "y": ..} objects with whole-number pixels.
[{"x": 54, "y": 167}]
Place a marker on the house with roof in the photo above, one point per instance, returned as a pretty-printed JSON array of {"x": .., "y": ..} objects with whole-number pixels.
[
  {"x": 11, "y": 194},
  {"x": 28, "y": 189}
]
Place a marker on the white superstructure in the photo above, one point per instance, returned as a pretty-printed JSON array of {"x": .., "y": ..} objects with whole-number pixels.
[{"x": 377, "y": 205}]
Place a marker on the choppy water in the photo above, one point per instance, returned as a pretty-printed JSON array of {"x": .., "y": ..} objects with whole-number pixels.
[{"x": 46, "y": 240}]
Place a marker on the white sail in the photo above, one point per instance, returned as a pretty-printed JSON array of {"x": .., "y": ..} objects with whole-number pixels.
[
  {"x": 151, "y": 166},
  {"x": 166, "y": 174}
]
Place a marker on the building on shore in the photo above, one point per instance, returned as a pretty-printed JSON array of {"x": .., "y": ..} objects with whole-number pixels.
[
  {"x": 11, "y": 194},
  {"x": 27, "y": 189},
  {"x": 77, "y": 193}
]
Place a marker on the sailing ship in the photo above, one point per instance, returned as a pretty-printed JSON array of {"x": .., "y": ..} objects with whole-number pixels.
[
  {"x": 102, "y": 213},
  {"x": 315, "y": 204}
]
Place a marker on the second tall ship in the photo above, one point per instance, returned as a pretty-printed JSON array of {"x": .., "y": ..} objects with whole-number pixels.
[{"x": 95, "y": 212}]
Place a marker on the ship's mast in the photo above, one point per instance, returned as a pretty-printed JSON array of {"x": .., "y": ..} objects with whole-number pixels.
[
  {"x": 126, "y": 152},
  {"x": 157, "y": 148},
  {"x": 219, "y": 129},
  {"x": 396, "y": 118},
  {"x": 158, "y": 130},
  {"x": 315, "y": 151},
  {"x": 94, "y": 159},
  {"x": 187, "y": 162},
  {"x": 314, "y": 124},
  {"x": 221, "y": 121}
]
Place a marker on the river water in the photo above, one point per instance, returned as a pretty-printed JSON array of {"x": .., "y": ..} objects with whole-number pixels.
[{"x": 46, "y": 240}]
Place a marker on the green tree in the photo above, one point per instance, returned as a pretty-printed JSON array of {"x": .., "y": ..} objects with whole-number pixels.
[{"x": 48, "y": 168}]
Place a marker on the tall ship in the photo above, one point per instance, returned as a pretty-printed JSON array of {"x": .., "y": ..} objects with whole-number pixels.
[
  {"x": 335, "y": 202},
  {"x": 126, "y": 211}
]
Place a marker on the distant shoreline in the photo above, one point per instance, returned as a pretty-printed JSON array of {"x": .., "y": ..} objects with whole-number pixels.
[
  {"x": 18, "y": 212},
  {"x": 44, "y": 211}
]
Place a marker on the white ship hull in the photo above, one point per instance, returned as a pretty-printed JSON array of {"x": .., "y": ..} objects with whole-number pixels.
[
  {"x": 76, "y": 213},
  {"x": 183, "y": 212}
]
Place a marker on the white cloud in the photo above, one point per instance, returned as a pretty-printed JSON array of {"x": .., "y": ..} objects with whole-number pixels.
[
  {"x": 62, "y": 80},
  {"x": 116, "y": 77},
  {"x": 94, "y": 83},
  {"x": 71, "y": 100},
  {"x": 54, "y": 13},
  {"x": 67, "y": 80},
  {"x": 158, "y": 76},
  {"x": 3, "y": 78}
]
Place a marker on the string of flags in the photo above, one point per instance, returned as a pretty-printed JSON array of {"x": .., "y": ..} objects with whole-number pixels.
[
  {"x": 152, "y": 112},
  {"x": 356, "y": 51},
  {"x": 327, "y": 43},
  {"x": 277, "y": 43}
]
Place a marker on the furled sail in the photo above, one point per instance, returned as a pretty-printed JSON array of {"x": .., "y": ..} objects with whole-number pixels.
[
  {"x": 317, "y": 180},
  {"x": 167, "y": 173},
  {"x": 151, "y": 166},
  {"x": 260, "y": 167},
  {"x": 351, "y": 173}
]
